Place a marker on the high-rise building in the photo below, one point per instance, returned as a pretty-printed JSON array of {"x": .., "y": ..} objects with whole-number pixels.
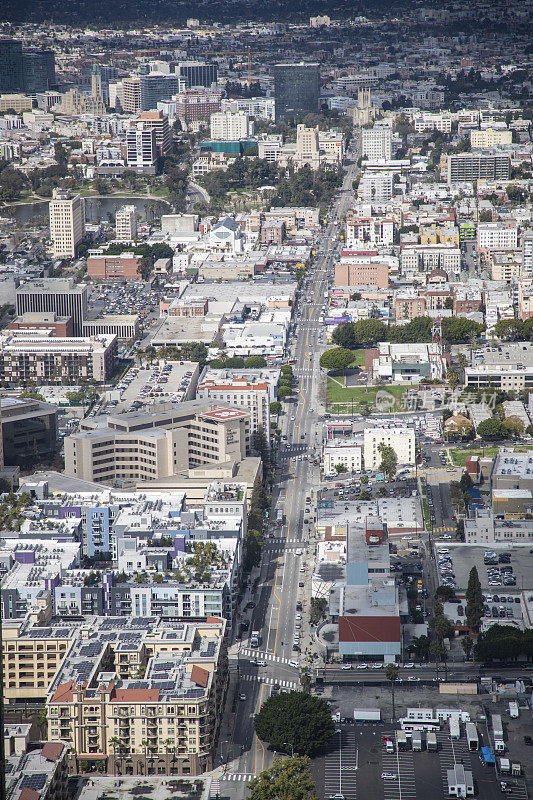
[
  {"x": 131, "y": 94},
  {"x": 38, "y": 70},
  {"x": 527, "y": 255},
  {"x": 126, "y": 224},
  {"x": 159, "y": 123},
  {"x": 158, "y": 86},
  {"x": 197, "y": 73},
  {"x": 466, "y": 167},
  {"x": 296, "y": 88},
  {"x": 196, "y": 106},
  {"x": 141, "y": 149},
  {"x": 58, "y": 295},
  {"x": 10, "y": 65},
  {"x": 67, "y": 223},
  {"x": 377, "y": 143}
]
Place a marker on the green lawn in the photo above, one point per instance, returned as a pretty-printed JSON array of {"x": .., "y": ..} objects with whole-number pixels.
[
  {"x": 362, "y": 396},
  {"x": 359, "y": 358},
  {"x": 459, "y": 456}
]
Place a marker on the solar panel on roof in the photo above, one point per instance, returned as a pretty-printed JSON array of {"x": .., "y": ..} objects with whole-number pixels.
[{"x": 34, "y": 782}]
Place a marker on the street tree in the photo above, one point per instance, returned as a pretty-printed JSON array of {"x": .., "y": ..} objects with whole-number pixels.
[
  {"x": 337, "y": 358},
  {"x": 467, "y": 644},
  {"x": 474, "y": 600},
  {"x": 295, "y": 720},
  {"x": 389, "y": 460},
  {"x": 287, "y": 779},
  {"x": 392, "y": 672},
  {"x": 492, "y": 428}
]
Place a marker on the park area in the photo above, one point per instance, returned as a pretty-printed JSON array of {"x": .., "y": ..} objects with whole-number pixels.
[
  {"x": 459, "y": 456},
  {"x": 343, "y": 399}
]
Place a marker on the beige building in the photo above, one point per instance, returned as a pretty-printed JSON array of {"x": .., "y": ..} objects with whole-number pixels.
[
  {"x": 231, "y": 127},
  {"x": 126, "y": 224},
  {"x": 158, "y": 122},
  {"x": 143, "y": 447},
  {"x": 131, "y": 94},
  {"x": 15, "y": 102},
  {"x": 242, "y": 392},
  {"x": 31, "y": 661},
  {"x": 67, "y": 223},
  {"x": 490, "y": 137},
  {"x": 165, "y": 724},
  {"x": 75, "y": 103}
]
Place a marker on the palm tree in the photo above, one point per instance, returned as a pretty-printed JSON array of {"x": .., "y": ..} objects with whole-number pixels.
[{"x": 391, "y": 673}]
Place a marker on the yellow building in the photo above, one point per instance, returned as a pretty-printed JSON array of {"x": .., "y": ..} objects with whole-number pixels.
[
  {"x": 439, "y": 234},
  {"x": 32, "y": 660},
  {"x": 15, "y": 102}
]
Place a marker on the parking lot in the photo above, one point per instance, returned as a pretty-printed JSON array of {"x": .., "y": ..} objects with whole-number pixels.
[
  {"x": 464, "y": 557},
  {"x": 143, "y": 386},
  {"x": 358, "y": 766}
]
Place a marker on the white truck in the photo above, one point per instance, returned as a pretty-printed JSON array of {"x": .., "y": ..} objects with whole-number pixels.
[
  {"x": 513, "y": 710},
  {"x": 455, "y": 728},
  {"x": 367, "y": 714},
  {"x": 416, "y": 741}
]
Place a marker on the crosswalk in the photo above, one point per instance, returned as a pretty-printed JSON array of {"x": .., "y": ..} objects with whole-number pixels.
[
  {"x": 281, "y": 540},
  {"x": 445, "y": 529},
  {"x": 255, "y": 654},
  {"x": 234, "y": 776},
  {"x": 401, "y": 766},
  {"x": 271, "y": 681},
  {"x": 340, "y": 767}
]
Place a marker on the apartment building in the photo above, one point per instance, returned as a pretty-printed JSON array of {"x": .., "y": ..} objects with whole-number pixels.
[
  {"x": 258, "y": 107},
  {"x": 375, "y": 187},
  {"x": 509, "y": 368},
  {"x": 166, "y": 723},
  {"x": 231, "y": 126},
  {"x": 368, "y": 273},
  {"x": 416, "y": 258},
  {"x": 131, "y": 94},
  {"x": 247, "y": 392},
  {"x": 376, "y": 143},
  {"x": 346, "y": 452},
  {"x": 408, "y": 306},
  {"x": 39, "y": 774},
  {"x": 401, "y": 439},
  {"x": 466, "y": 299},
  {"x": 497, "y": 235},
  {"x": 430, "y": 122},
  {"x": 527, "y": 255},
  {"x": 489, "y": 138},
  {"x": 120, "y": 267},
  {"x": 466, "y": 167},
  {"x": 196, "y": 106},
  {"x": 125, "y": 327},
  {"x": 126, "y": 224},
  {"x": 132, "y": 447},
  {"x": 35, "y": 357},
  {"x": 369, "y": 230},
  {"x": 67, "y": 223},
  {"x": 60, "y": 296},
  {"x": 525, "y": 299},
  {"x": 31, "y": 661}
]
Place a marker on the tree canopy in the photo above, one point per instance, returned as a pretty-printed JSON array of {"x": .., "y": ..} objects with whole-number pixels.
[
  {"x": 367, "y": 332},
  {"x": 287, "y": 779},
  {"x": 295, "y": 720},
  {"x": 336, "y": 358},
  {"x": 492, "y": 428},
  {"x": 389, "y": 460},
  {"x": 474, "y": 600}
]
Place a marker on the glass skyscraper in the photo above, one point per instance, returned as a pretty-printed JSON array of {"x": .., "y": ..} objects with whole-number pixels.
[{"x": 296, "y": 88}]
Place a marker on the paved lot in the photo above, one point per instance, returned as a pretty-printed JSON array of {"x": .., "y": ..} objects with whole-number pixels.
[
  {"x": 152, "y": 384},
  {"x": 464, "y": 557}
]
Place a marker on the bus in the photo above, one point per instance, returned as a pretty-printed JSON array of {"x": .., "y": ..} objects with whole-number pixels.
[
  {"x": 280, "y": 516},
  {"x": 254, "y": 639},
  {"x": 409, "y": 725},
  {"x": 471, "y": 736}
]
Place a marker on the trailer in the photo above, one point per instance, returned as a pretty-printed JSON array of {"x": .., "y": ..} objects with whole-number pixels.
[
  {"x": 367, "y": 714},
  {"x": 513, "y": 710},
  {"x": 497, "y": 726},
  {"x": 402, "y": 741},
  {"x": 455, "y": 728},
  {"x": 471, "y": 736},
  {"x": 416, "y": 741},
  {"x": 505, "y": 766},
  {"x": 431, "y": 741}
]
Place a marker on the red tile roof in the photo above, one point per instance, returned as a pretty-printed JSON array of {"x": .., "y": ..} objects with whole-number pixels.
[
  {"x": 369, "y": 629},
  {"x": 63, "y": 693},
  {"x": 150, "y": 695},
  {"x": 200, "y": 676},
  {"x": 52, "y": 750},
  {"x": 28, "y": 794}
]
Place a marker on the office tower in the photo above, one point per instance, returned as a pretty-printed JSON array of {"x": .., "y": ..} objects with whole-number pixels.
[
  {"x": 58, "y": 295},
  {"x": 196, "y": 106},
  {"x": 101, "y": 76},
  {"x": 377, "y": 143},
  {"x": 38, "y": 70},
  {"x": 159, "y": 122},
  {"x": 296, "y": 88},
  {"x": 307, "y": 147},
  {"x": 10, "y": 65},
  {"x": 126, "y": 224},
  {"x": 197, "y": 73},
  {"x": 67, "y": 223},
  {"x": 131, "y": 94},
  {"x": 141, "y": 148},
  {"x": 156, "y": 87}
]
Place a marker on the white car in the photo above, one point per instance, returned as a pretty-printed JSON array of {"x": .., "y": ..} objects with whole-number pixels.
[
  {"x": 409, "y": 665},
  {"x": 362, "y": 666},
  {"x": 346, "y": 666},
  {"x": 294, "y": 663},
  {"x": 261, "y": 663},
  {"x": 389, "y": 776}
]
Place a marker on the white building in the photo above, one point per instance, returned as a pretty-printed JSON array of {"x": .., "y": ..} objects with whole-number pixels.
[
  {"x": 269, "y": 147},
  {"x": 369, "y": 230},
  {"x": 497, "y": 236},
  {"x": 429, "y": 122},
  {"x": 401, "y": 439},
  {"x": 126, "y": 224},
  {"x": 258, "y": 107},
  {"x": 246, "y": 392},
  {"x": 141, "y": 147},
  {"x": 377, "y": 143},
  {"x": 347, "y": 452},
  {"x": 231, "y": 127},
  {"x": 375, "y": 187},
  {"x": 67, "y": 223}
]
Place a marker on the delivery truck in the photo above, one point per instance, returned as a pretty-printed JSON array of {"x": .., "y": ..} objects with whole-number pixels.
[
  {"x": 416, "y": 741},
  {"x": 431, "y": 741}
]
